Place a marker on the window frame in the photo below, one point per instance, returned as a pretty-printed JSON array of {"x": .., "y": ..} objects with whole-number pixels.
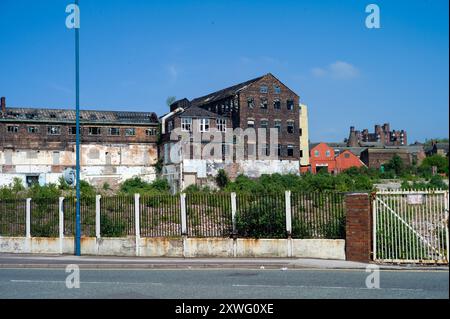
[
  {"x": 221, "y": 125},
  {"x": 15, "y": 129},
  {"x": 204, "y": 125},
  {"x": 290, "y": 123},
  {"x": 186, "y": 124},
  {"x": 290, "y": 102},
  {"x": 263, "y": 89},
  {"x": 49, "y": 127},
  {"x": 91, "y": 130},
  {"x": 110, "y": 130},
  {"x": 128, "y": 129},
  {"x": 275, "y": 122},
  {"x": 36, "y": 129},
  {"x": 277, "y": 104},
  {"x": 290, "y": 147}
]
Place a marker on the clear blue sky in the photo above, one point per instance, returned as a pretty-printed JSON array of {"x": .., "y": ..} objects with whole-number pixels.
[{"x": 136, "y": 53}]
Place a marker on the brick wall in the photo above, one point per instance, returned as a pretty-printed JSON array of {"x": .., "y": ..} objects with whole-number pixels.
[{"x": 358, "y": 227}]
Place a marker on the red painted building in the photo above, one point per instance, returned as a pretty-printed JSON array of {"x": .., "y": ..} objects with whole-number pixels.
[{"x": 323, "y": 157}]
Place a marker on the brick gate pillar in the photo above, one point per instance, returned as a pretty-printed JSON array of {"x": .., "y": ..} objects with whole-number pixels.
[{"x": 358, "y": 231}]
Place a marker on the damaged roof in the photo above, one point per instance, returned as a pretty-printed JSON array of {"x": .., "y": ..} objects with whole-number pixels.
[
  {"x": 14, "y": 114},
  {"x": 224, "y": 93},
  {"x": 195, "y": 111}
]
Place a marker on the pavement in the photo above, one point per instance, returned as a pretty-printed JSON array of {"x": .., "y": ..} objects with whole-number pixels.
[{"x": 104, "y": 262}]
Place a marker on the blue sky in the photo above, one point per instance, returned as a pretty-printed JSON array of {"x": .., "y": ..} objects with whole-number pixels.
[{"x": 136, "y": 53}]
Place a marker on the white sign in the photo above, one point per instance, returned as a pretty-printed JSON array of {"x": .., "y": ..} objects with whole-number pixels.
[{"x": 415, "y": 199}]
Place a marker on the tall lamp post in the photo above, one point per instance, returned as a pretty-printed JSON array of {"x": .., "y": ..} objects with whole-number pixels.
[
  {"x": 73, "y": 22},
  {"x": 77, "y": 115}
]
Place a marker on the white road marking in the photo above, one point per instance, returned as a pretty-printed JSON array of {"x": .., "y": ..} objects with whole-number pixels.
[
  {"x": 87, "y": 282},
  {"x": 322, "y": 287}
]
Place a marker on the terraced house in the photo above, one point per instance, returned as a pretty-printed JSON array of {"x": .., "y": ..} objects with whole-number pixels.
[{"x": 37, "y": 145}]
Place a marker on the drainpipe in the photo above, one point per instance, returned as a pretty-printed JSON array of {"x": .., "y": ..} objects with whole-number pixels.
[{"x": 163, "y": 118}]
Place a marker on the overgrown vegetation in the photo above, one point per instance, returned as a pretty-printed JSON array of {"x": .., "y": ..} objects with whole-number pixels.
[{"x": 138, "y": 186}]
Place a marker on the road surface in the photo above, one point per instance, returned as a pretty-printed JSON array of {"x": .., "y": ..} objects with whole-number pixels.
[{"x": 222, "y": 283}]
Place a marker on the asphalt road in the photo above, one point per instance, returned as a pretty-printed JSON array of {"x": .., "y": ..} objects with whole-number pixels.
[{"x": 222, "y": 283}]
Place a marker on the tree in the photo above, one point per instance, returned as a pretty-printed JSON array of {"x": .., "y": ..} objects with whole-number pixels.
[
  {"x": 170, "y": 100},
  {"x": 395, "y": 164},
  {"x": 222, "y": 179},
  {"x": 435, "y": 160}
]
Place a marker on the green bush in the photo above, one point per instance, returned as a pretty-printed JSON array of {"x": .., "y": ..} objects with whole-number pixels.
[
  {"x": 262, "y": 219},
  {"x": 110, "y": 228},
  {"x": 137, "y": 186}
]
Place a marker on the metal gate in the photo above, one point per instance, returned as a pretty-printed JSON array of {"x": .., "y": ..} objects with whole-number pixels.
[{"x": 411, "y": 226}]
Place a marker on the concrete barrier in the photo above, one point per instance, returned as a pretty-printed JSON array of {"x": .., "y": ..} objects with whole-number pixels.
[{"x": 180, "y": 247}]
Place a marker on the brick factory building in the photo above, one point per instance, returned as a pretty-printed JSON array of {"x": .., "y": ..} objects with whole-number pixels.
[
  {"x": 382, "y": 134},
  {"x": 37, "y": 145}
]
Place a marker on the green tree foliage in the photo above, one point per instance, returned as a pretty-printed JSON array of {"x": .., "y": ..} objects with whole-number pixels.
[
  {"x": 222, "y": 179},
  {"x": 439, "y": 161},
  {"x": 395, "y": 165},
  {"x": 277, "y": 183}
]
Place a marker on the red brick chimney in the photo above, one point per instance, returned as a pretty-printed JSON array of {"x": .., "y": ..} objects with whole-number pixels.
[{"x": 3, "y": 104}]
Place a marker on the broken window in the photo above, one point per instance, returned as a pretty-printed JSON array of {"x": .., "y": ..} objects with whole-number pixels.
[
  {"x": 290, "y": 150},
  {"x": 72, "y": 130},
  {"x": 186, "y": 124},
  {"x": 278, "y": 125},
  {"x": 263, "y": 103},
  {"x": 31, "y": 180},
  {"x": 277, "y": 104},
  {"x": 221, "y": 125},
  {"x": 130, "y": 131},
  {"x": 250, "y": 102},
  {"x": 12, "y": 129},
  {"x": 276, "y": 89},
  {"x": 95, "y": 131},
  {"x": 263, "y": 89},
  {"x": 54, "y": 130},
  {"x": 32, "y": 129},
  {"x": 290, "y": 127},
  {"x": 290, "y": 105},
  {"x": 264, "y": 124},
  {"x": 204, "y": 125},
  {"x": 113, "y": 131},
  {"x": 151, "y": 131}
]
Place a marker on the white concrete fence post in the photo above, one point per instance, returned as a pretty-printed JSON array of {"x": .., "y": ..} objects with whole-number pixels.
[
  {"x": 28, "y": 219},
  {"x": 287, "y": 195},
  {"x": 137, "y": 219},
  {"x": 61, "y": 224},
  {"x": 183, "y": 214},
  {"x": 97, "y": 215},
  {"x": 233, "y": 211}
]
